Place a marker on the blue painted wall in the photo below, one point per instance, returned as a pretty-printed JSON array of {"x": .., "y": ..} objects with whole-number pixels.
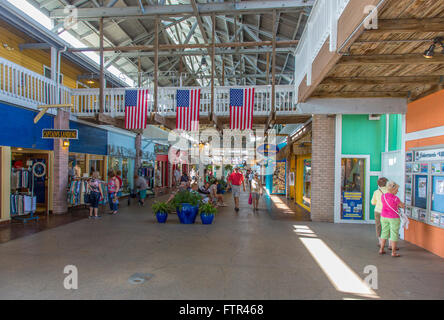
[
  {"x": 91, "y": 140},
  {"x": 18, "y": 128}
]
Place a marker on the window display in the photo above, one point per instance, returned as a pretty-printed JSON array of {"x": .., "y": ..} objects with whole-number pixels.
[
  {"x": 353, "y": 188},
  {"x": 306, "y": 191}
]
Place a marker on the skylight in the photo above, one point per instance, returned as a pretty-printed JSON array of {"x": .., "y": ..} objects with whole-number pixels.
[{"x": 46, "y": 22}]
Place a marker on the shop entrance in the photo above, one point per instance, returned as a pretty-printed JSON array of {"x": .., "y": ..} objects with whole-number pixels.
[
  {"x": 29, "y": 181},
  {"x": 353, "y": 189}
]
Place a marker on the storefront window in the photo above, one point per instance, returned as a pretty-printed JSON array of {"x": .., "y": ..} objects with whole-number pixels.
[
  {"x": 306, "y": 191},
  {"x": 353, "y": 188}
]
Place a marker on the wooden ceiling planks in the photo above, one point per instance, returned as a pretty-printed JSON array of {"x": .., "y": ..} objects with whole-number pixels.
[{"x": 403, "y": 44}]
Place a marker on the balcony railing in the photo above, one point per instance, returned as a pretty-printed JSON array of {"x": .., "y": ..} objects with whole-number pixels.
[
  {"x": 21, "y": 86},
  {"x": 322, "y": 24}
]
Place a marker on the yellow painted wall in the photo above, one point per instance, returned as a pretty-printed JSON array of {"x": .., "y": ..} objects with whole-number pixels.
[
  {"x": 5, "y": 155},
  {"x": 300, "y": 179},
  {"x": 33, "y": 59}
]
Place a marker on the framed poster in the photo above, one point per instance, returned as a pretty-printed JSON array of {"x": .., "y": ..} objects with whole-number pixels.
[
  {"x": 409, "y": 156},
  {"x": 352, "y": 206},
  {"x": 424, "y": 168},
  {"x": 408, "y": 168},
  {"x": 280, "y": 177},
  {"x": 434, "y": 218},
  {"x": 416, "y": 167},
  {"x": 436, "y": 168}
]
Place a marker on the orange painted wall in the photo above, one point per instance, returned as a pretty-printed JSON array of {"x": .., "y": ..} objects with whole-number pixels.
[
  {"x": 422, "y": 114},
  {"x": 425, "y": 113}
]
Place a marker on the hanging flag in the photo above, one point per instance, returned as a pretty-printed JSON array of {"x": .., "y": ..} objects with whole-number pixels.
[
  {"x": 136, "y": 108},
  {"x": 241, "y": 108},
  {"x": 187, "y": 109}
]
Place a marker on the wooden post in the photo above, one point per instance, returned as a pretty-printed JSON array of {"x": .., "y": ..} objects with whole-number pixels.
[
  {"x": 213, "y": 50},
  {"x": 273, "y": 68},
  {"x": 156, "y": 62},
  {"x": 268, "y": 68},
  {"x": 223, "y": 71},
  {"x": 102, "y": 76},
  {"x": 139, "y": 70}
]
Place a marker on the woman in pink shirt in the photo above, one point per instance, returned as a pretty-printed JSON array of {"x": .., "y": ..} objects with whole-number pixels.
[{"x": 390, "y": 219}]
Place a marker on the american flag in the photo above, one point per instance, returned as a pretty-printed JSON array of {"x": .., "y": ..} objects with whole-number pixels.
[
  {"x": 241, "y": 108},
  {"x": 136, "y": 108},
  {"x": 187, "y": 109}
]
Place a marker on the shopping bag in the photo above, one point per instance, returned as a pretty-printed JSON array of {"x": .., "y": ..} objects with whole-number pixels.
[{"x": 250, "y": 200}]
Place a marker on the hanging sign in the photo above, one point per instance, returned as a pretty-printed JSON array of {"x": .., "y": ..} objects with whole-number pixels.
[
  {"x": 268, "y": 149},
  {"x": 59, "y": 134},
  {"x": 429, "y": 155}
]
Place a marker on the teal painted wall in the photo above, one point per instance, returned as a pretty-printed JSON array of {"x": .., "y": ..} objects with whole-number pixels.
[{"x": 361, "y": 136}]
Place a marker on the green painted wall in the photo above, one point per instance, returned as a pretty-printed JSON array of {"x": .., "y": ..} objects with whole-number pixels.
[
  {"x": 364, "y": 137},
  {"x": 361, "y": 136}
]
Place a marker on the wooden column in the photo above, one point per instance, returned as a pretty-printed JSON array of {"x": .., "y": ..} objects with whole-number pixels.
[
  {"x": 213, "y": 50},
  {"x": 102, "y": 76},
  {"x": 223, "y": 71},
  {"x": 139, "y": 70},
  {"x": 273, "y": 67},
  {"x": 156, "y": 62}
]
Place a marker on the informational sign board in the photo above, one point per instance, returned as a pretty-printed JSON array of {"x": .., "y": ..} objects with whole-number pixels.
[
  {"x": 352, "y": 206},
  {"x": 268, "y": 149},
  {"x": 429, "y": 155},
  {"x": 60, "y": 134}
]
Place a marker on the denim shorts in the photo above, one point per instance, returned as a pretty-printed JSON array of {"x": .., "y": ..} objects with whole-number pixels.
[{"x": 94, "y": 198}]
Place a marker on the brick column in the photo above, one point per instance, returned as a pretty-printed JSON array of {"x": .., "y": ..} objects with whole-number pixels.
[
  {"x": 323, "y": 168},
  {"x": 60, "y": 176}
]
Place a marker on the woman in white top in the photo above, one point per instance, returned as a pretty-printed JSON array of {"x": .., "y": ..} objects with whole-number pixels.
[{"x": 256, "y": 190}]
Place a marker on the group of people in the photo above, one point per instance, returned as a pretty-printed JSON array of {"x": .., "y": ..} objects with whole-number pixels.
[
  {"x": 96, "y": 193},
  {"x": 236, "y": 180},
  {"x": 387, "y": 217}
]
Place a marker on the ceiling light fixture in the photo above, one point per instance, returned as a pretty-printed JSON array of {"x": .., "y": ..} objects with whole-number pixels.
[{"x": 430, "y": 52}]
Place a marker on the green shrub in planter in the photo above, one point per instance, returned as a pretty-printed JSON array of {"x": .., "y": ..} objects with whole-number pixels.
[
  {"x": 207, "y": 212},
  {"x": 161, "y": 207}
]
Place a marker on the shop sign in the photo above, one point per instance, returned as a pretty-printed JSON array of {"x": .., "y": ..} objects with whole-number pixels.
[
  {"x": 352, "y": 206},
  {"x": 268, "y": 149},
  {"x": 59, "y": 134},
  {"x": 120, "y": 151},
  {"x": 161, "y": 149},
  {"x": 429, "y": 155}
]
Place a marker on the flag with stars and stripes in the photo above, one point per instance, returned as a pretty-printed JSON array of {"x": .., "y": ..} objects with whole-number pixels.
[
  {"x": 241, "y": 108},
  {"x": 187, "y": 109},
  {"x": 136, "y": 108}
]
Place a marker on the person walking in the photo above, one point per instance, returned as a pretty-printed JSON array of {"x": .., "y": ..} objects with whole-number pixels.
[
  {"x": 235, "y": 180},
  {"x": 256, "y": 190},
  {"x": 176, "y": 176},
  {"x": 141, "y": 186},
  {"x": 119, "y": 177},
  {"x": 113, "y": 189},
  {"x": 390, "y": 218},
  {"x": 377, "y": 202},
  {"x": 95, "y": 194}
]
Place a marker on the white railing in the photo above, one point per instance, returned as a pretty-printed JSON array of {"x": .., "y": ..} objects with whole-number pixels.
[
  {"x": 19, "y": 85},
  {"x": 322, "y": 24},
  {"x": 86, "y": 101}
]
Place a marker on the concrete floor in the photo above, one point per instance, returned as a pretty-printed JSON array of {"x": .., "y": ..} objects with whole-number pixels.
[{"x": 271, "y": 254}]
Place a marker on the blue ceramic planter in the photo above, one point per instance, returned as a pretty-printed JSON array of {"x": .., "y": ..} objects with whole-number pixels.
[
  {"x": 161, "y": 217},
  {"x": 187, "y": 214},
  {"x": 206, "y": 218}
]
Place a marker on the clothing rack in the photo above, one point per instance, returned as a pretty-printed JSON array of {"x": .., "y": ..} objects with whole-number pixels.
[
  {"x": 22, "y": 184},
  {"x": 77, "y": 190}
]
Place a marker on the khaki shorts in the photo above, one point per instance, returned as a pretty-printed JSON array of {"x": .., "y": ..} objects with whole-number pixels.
[{"x": 235, "y": 190}]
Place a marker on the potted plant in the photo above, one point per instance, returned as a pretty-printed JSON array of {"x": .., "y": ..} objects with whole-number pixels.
[
  {"x": 187, "y": 206},
  {"x": 207, "y": 212},
  {"x": 161, "y": 210}
]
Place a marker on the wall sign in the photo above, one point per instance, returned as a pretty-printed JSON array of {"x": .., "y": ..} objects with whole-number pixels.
[
  {"x": 59, "y": 134},
  {"x": 161, "y": 149},
  {"x": 429, "y": 155},
  {"x": 352, "y": 206}
]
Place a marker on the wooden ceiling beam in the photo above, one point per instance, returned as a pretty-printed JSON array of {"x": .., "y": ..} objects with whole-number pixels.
[
  {"x": 361, "y": 94},
  {"x": 382, "y": 80},
  {"x": 408, "y": 26},
  {"x": 433, "y": 89},
  {"x": 400, "y": 59}
]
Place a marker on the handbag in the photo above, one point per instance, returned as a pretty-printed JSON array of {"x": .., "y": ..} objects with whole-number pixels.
[
  {"x": 250, "y": 200},
  {"x": 404, "y": 219}
]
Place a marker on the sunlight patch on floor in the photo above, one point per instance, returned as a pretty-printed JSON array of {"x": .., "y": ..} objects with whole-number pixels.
[{"x": 341, "y": 276}]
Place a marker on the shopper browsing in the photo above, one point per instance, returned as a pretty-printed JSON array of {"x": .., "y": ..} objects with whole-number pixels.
[
  {"x": 113, "y": 189},
  {"x": 141, "y": 186},
  {"x": 377, "y": 202},
  {"x": 390, "y": 218},
  {"x": 95, "y": 194},
  {"x": 256, "y": 190}
]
